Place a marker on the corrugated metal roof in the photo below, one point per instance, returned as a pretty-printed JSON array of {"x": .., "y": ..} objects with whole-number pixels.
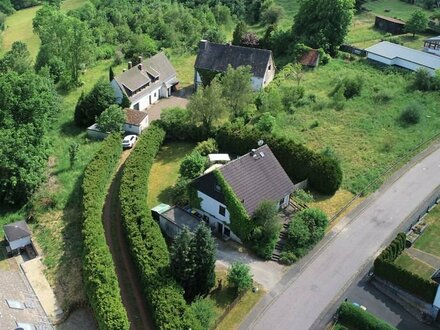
[{"x": 391, "y": 51}]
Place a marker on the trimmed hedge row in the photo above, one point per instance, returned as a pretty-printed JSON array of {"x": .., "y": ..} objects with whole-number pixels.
[
  {"x": 385, "y": 268},
  {"x": 98, "y": 268},
  {"x": 299, "y": 162},
  {"x": 355, "y": 318},
  {"x": 147, "y": 245}
]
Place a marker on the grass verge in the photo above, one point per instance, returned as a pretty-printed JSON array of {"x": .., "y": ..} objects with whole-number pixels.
[
  {"x": 429, "y": 241},
  {"x": 415, "y": 266}
]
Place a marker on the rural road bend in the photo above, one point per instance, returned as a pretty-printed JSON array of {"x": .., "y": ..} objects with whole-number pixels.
[{"x": 299, "y": 299}]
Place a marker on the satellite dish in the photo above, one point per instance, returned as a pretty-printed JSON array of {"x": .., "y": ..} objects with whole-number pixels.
[{"x": 260, "y": 143}]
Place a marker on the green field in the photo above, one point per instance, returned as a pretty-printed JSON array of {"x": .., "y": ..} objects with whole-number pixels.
[
  {"x": 366, "y": 135},
  {"x": 165, "y": 172},
  {"x": 393, "y": 8},
  {"x": 429, "y": 241},
  {"x": 19, "y": 26},
  {"x": 415, "y": 266}
]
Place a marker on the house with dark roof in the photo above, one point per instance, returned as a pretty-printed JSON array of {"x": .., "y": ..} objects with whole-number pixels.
[
  {"x": 17, "y": 234},
  {"x": 146, "y": 82},
  {"x": 254, "y": 177},
  {"x": 213, "y": 58}
]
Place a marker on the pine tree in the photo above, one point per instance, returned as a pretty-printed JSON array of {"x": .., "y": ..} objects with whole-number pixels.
[
  {"x": 125, "y": 103},
  {"x": 203, "y": 251},
  {"x": 239, "y": 31},
  {"x": 182, "y": 261}
]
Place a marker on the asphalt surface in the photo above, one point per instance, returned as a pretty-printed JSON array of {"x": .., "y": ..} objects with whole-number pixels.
[{"x": 319, "y": 281}]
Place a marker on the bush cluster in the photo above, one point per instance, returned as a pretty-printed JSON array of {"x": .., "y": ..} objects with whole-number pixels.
[
  {"x": 355, "y": 318},
  {"x": 411, "y": 114},
  {"x": 147, "y": 245},
  {"x": 351, "y": 87},
  {"x": 385, "y": 268},
  {"x": 299, "y": 162},
  {"x": 99, "y": 271}
]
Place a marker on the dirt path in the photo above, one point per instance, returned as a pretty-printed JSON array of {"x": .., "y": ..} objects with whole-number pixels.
[{"x": 129, "y": 283}]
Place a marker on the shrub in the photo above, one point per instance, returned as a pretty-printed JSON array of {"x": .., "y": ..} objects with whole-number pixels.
[
  {"x": 411, "y": 114},
  {"x": 288, "y": 258},
  {"x": 265, "y": 123},
  {"x": 147, "y": 245},
  {"x": 206, "y": 147},
  {"x": 267, "y": 226},
  {"x": 352, "y": 86},
  {"x": 303, "y": 196},
  {"x": 325, "y": 174},
  {"x": 179, "y": 192},
  {"x": 204, "y": 310},
  {"x": 179, "y": 127},
  {"x": 355, "y": 318},
  {"x": 100, "y": 278},
  {"x": 192, "y": 165},
  {"x": 240, "y": 277},
  {"x": 111, "y": 120},
  {"x": 422, "y": 80},
  {"x": 382, "y": 96}
]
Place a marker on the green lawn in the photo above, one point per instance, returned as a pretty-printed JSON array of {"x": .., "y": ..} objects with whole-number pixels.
[
  {"x": 184, "y": 65},
  {"x": 165, "y": 171},
  {"x": 393, "y": 8},
  {"x": 19, "y": 26},
  {"x": 415, "y": 266},
  {"x": 366, "y": 135},
  {"x": 430, "y": 239}
]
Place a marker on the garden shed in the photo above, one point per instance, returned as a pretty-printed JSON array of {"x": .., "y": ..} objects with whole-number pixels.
[
  {"x": 18, "y": 235},
  {"x": 389, "y": 24}
]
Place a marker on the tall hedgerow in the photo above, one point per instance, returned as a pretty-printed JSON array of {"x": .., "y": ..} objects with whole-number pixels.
[{"x": 100, "y": 278}]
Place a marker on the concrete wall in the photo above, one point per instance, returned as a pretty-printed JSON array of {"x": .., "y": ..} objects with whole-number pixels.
[
  {"x": 19, "y": 243},
  {"x": 168, "y": 227}
]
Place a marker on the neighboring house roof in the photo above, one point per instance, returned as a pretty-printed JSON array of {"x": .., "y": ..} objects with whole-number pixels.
[
  {"x": 390, "y": 19},
  {"x": 217, "y": 57},
  {"x": 391, "y": 51},
  {"x": 134, "y": 117},
  {"x": 310, "y": 58},
  {"x": 143, "y": 78},
  {"x": 436, "y": 276},
  {"x": 254, "y": 177},
  {"x": 16, "y": 230},
  {"x": 433, "y": 39}
]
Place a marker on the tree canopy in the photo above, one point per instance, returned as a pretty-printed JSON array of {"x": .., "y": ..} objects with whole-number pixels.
[
  {"x": 111, "y": 120},
  {"x": 418, "y": 22},
  {"x": 17, "y": 59},
  {"x": 323, "y": 23}
]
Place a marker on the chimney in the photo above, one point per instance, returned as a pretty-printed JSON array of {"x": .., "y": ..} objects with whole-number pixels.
[
  {"x": 203, "y": 44},
  {"x": 140, "y": 59},
  {"x": 252, "y": 152},
  {"x": 140, "y": 66},
  {"x": 129, "y": 65}
]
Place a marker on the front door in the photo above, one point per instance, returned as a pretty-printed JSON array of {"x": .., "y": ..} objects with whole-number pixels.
[
  {"x": 220, "y": 228},
  {"x": 150, "y": 99}
]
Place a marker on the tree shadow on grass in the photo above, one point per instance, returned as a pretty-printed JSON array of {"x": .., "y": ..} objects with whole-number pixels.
[
  {"x": 173, "y": 152},
  {"x": 69, "y": 129},
  {"x": 165, "y": 196}
]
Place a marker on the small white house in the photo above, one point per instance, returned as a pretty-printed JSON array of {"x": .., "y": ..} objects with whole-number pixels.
[
  {"x": 17, "y": 234},
  {"x": 215, "y": 58},
  {"x": 143, "y": 84},
  {"x": 254, "y": 177},
  {"x": 393, "y": 54},
  {"x": 135, "y": 122}
]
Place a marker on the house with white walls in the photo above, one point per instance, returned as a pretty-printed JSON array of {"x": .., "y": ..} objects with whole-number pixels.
[
  {"x": 254, "y": 177},
  {"x": 146, "y": 82},
  {"x": 213, "y": 58}
]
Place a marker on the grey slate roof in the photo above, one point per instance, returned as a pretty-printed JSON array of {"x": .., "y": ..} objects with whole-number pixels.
[
  {"x": 16, "y": 230},
  {"x": 153, "y": 67},
  {"x": 253, "y": 178},
  {"x": 391, "y": 51},
  {"x": 217, "y": 57},
  {"x": 436, "y": 276}
]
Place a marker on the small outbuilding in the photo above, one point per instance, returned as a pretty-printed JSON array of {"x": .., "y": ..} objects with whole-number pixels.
[
  {"x": 310, "y": 58},
  {"x": 136, "y": 121},
  {"x": 18, "y": 235},
  {"x": 389, "y": 24},
  {"x": 432, "y": 45}
]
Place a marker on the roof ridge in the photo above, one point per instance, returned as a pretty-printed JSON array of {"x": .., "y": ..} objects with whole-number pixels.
[
  {"x": 237, "y": 46},
  {"x": 246, "y": 154}
]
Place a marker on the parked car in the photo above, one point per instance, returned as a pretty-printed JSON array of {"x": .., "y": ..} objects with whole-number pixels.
[{"x": 129, "y": 141}]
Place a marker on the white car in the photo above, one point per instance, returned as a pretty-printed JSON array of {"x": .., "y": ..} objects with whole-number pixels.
[{"x": 129, "y": 141}]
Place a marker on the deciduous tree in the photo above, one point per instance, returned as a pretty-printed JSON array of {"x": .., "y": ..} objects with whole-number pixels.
[
  {"x": 111, "y": 120},
  {"x": 17, "y": 59},
  {"x": 323, "y": 23},
  {"x": 418, "y": 22},
  {"x": 240, "y": 277}
]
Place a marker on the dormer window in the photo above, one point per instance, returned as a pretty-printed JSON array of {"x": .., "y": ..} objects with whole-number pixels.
[
  {"x": 270, "y": 67},
  {"x": 218, "y": 188}
]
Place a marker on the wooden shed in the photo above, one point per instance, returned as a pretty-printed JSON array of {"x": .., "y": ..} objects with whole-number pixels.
[
  {"x": 18, "y": 235},
  {"x": 389, "y": 24}
]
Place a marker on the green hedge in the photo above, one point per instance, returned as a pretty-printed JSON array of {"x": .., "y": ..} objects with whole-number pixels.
[
  {"x": 299, "y": 162},
  {"x": 147, "y": 245},
  {"x": 385, "y": 268},
  {"x": 241, "y": 224},
  {"x": 100, "y": 278},
  {"x": 354, "y": 317}
]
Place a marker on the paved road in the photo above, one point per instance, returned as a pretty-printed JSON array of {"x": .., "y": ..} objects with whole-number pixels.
[{"x": 309, "y": 288}]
